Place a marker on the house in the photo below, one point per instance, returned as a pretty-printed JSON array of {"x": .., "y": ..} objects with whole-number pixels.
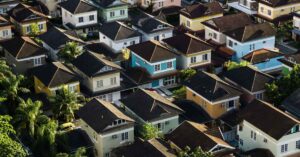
[
  {"x": 156, "y": 5},
  {"x": 250, "y": 80},
  {"x": 292, "y": 104},
  {"x": 118, "y": 35},
  {"x": 24, "y": 17},
  {"x": 277, "y": 11},
  {"x": 50, "y": 78},
  {"x": 264, "y": 126},
  {"x": 228, "y": 124},
  {"x": 265, "y": 60},
  {"x": 289, "y": 61},
  {"x": 22, "y": 54},
  {"x": 192, "y": 51},
  {"x": 112, "y": 10},
  {"x": 157, "y": 60},
  {"x": 5, "y": 28},
  {"x": 250, "y": 38},
  {"x": 52, "y": 7},
  {"x": 216, "y": 28},
  {"x": 6, "y": 5},
  {"x": 150, "y": 27},
  {"x": 296, "y": 24},
  {"x": 193, "y": 135},
  {"x": 106, "y": 125},
  {"x": 192, "y": 16},
  {"x": 249, "y": 7},
  {"x": 149, "y": 148},
  {"x": 147, "y": 106},
  {"x": 79, "y": 15},
  {"x": 100, "y": 76},
  {"x": 56, "y": 38},
  {"x": 211, "y": 93}
]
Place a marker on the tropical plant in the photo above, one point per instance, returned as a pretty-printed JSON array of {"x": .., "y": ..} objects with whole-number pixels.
[
  {"x": 233, "y": 65},
  {"x": 186, "y": 74},
  {"x": 283, "y": 30},
  {"x": 180, "y": 93},
  {"x": 197, "y": 152},
  {"x": 148, "y": 131},
  {"x": 80, "y": 152},
  {"x": 35, "y": 30},
  {"x": 70, "y": 51}
]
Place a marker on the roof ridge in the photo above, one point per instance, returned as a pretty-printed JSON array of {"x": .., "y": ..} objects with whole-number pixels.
[
  {"x": 53, "y": 76},
  {"x": 77, "y": 6},
  {"x": 21, "y": 48},
  {"x": 118, "y": 32},
  {"x": 153, "y": 50}
]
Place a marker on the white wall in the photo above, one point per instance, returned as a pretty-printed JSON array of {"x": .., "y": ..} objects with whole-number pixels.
[
  {"x": 68, "y": 17},
  {"x": 162, "y": 34},
  {"x": 3, "y": 35},
  {"x": 209, "y": 34},
  {"x": 296, "y": 21},
  {"x": 118, "y": 45}
]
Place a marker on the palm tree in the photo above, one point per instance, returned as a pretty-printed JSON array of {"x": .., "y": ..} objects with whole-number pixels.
[
  {"x": 70, "y": 51},
  {"x": 64, "y": 104},
  {"x": 26, "y": 116}
]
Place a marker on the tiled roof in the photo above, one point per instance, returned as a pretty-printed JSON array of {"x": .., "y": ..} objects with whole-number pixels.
[
  {"x": 77, "y": 6},
  {"x": 23, "y": 12},
  {"x": 261, "y": 55},
  {"x": 199, "y": 10}
]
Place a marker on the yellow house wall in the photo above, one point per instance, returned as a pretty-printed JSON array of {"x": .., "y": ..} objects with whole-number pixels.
[
  {"x": 196, "y": 24},
  {"x": 24, "y": 26},
  {"x": 278, "y": 11}
]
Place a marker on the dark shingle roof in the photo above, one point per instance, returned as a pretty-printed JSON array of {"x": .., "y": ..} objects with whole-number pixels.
[
  {"x": 248, "y": 78},
  {"x": 103, "y": 49},
  {"x": 278, "y": 3},
  {"x": 4, "y": 21},
  {"x": 252, "y": 32},
  {"x": 22, "y": 12},
  {"x": 23, "y": 47},
  {"x": 261, "y": 55},
  {"x": 99, "y": 115},
  {"x": 292, "y": 103},
  {"x": 291, "y": 60},
  {"x": 91, "y": 64},
  {"x": 259, "y": 152},
  {"x": 211, "y": 87},
  {"x": 199, "y": 10},
  {"x": 150, "y": 106},
  {"x": 268, "y": 119},
  {"x": 54, "y": 74},
  {"x": 152, "y": 51},
  {"x": 118, "y": 31},
  {"x": 187, "y": 44},
  {"x": 77, "y": 6}
]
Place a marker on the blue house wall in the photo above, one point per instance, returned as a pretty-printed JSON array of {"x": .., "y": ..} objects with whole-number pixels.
[{"x": 270, "y": 64}]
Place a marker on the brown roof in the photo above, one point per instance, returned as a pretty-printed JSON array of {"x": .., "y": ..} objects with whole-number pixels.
[
  {"x": 278, "y": 3},
  {"x": 4, "y": 21},
  {"x": 22, "y": 12},
  {"x": 199, "y": 10},
  {"x": 261, "y": 55}
]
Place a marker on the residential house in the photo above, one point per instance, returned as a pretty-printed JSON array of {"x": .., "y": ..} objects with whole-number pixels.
[
  {"x": 150, "y": 27},
  {"x": 22, "y": 54},
  {"x": 149, "y": 148},
  {"x": 276, "y": 11},
  {"x": 228, "y": 124},
  {"x": 249, "y": 7},
  {"x": 265, "y": 60},
  {"x": 250, "y": 80},
  {"x": 112, "y": 10},
  {"x": 192, "y": 51},
  {"x": 157, "y": 60},
  {"x": 214, "y": 95},
  {"x": 292, "y": 104},
  {"x": 264, "y": 126},
  {"x": 296, "y": 24},
  {"x": 24, "y": 16},
  {"x": 5, "y": 29},
  {"x": 106, "y": 125},
  {"x": 289, "y": 61},
  {"x": 191, "y": 17},
  {"x": 52, "y": 7},
  {"x": 250, "y": 38},
  {"x": 118, "y": 36},
  {"x": 100, "y": 76},
  {"x": 194, "y": 135},
  {"x": 147, "y": 106},
  {"x": 216, "y": 28},
  {"x": 156, "y": 5},
  {"x": 6, "y": 5},
  {"x": 79, "y": 15},
  {"x": 56, "y": 38},
  {"x": 50, "y": 78}
]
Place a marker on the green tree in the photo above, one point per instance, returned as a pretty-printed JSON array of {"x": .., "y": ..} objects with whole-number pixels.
[
  {"x": 27, "y": 115},
  {"x": 186, "y": 74},
  {"x": 64, "y": 104},
  {"x": 148, "y": 131},
  {"x": 70, "y": 51},
  {"x": 197, "y": 152},
  {"x": 233, "y": 65},
  {"x": 283, "y": 30},
  {"x": 180, "y": 93},
  {"x": 80, "y": 152},
  {"x": 35, "y": 30},
  {"x": 8, "y": 146}
]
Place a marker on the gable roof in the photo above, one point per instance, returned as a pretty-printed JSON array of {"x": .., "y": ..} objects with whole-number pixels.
[
  {"x": 252, "y": 32},
  {"x": 249, "y": 78},
  {"x": 225, "y": 24},
  {"x": 110, "y": 3},
  {"x": 4, "y": 22},
  {"x": 149, "y": 105},
  {"x": 268, "y": 118},
  {"x": 292, "y": 103},
  {"x": 77, "y": 6},
  {"x": 23, "y": 47},
  {"x": 54, "y": 74},
  {"x": 104, "y": 50},
  {"x": 261, "y": 55},
  {"x": 187, "y": 44},
  {"x": 22, "y": 11},
  {"x": 196, "y": 135},
  {"x": 100, "y": 115},
  {"x": 118, "y": 31},
  {"x": 278, "y": 3},
  {"x": 199, "y": 10},
  {"x": 92, "y": 63},
  {"x": 211, "y": 87},
  {"x": 152, "y": 51}
]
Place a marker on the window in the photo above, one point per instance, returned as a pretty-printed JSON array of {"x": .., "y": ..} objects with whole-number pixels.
[
  {"x": 188, "y": 24},
  {"x": 122, "y": 12},
  {"x": 231, "y": 104},
  {"x": 252, "y": 47},
  {"x": 102, "y": 97},
  {"x": 259, "y": 96},
  {"x": 124, "y": 136},
  {"x": 230, "y": 43},
  {"x": 114, "y": 136},
  {"x": 160, "y": 4},
  {"x": 193, "y": 59},
  {"x": 132, "y": 42},
  {"x": 72, "y": 88},
  {"x": 156, "y": 38},
  {"x": 91, "y": 17},
  {"x": 172, "y": 1},
  {"x": 253, "y": 135},
  {"x": 264, "y": 42},
  {"x": 241, "y": 142},
  {"x": 170, "y": 80},
  {"x": 262, "y": 9},
  {"x": 80, "y": 19},
  {"x": 269, "y": 12},
  {"x": 113, "y": 81},
  {"x": 265, "y": 140},
  {"x": 112, "y": 14},
  {"x": 106, "y": 154},
  {"x": 298, "y": 144},
  {"x": 204, "y": 57},
  {"x": 169, "y": 65},
  {"x": 157, "y": 67},
  {"x": 37, "y": 61},
  {"x": 5, "y": 33},
  {"x": 160, "y": 126},
  {"x": 100, "y": 83},
  {"x": 41, "y": 26},
  {"x": 167, "y": 122},
  {"x": 284, "y": 148},
  {"x": 215, "y": 35},
  {"x": 28, "y": 29},
  {"x": 125, "y": 43},
  {"x": 240, "y": 128}
]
